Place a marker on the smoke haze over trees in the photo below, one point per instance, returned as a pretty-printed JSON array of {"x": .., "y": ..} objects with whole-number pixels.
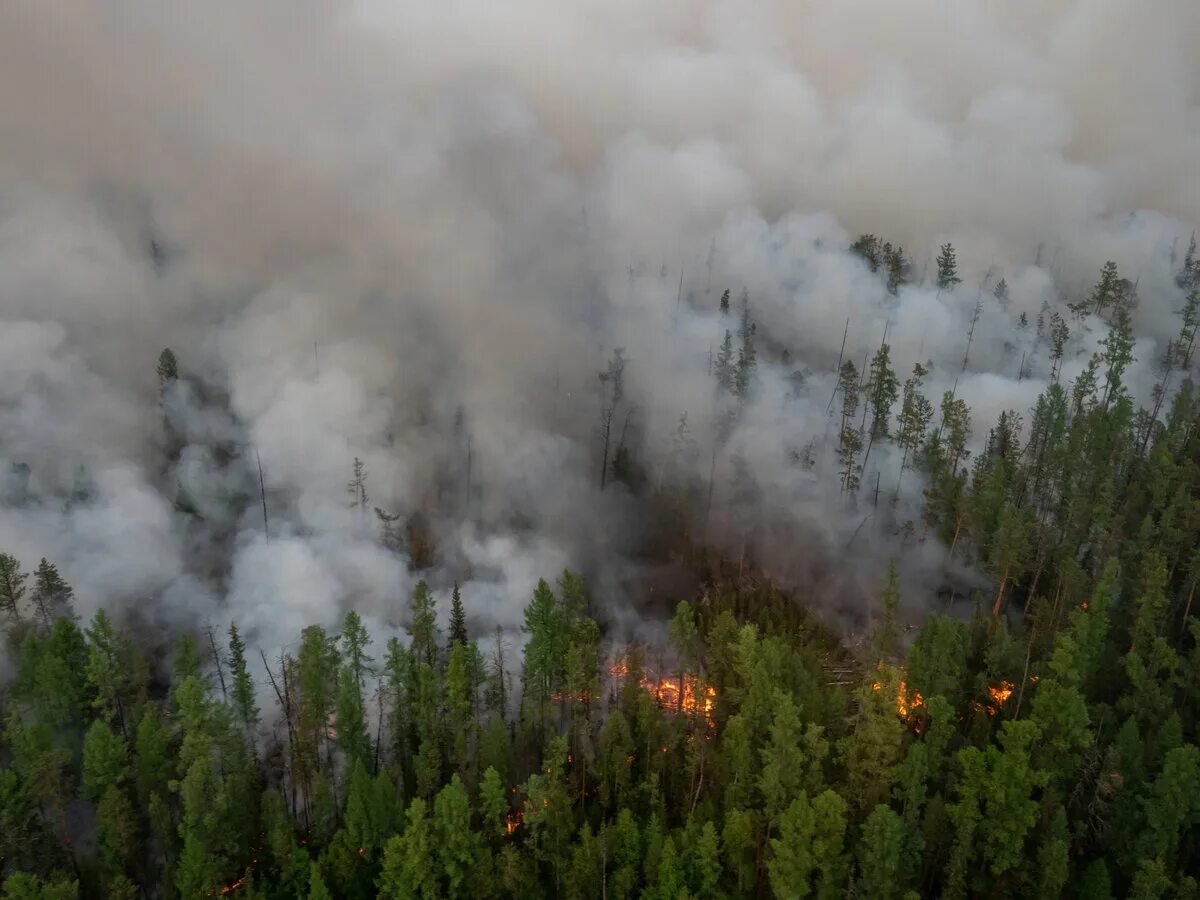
[
  {"x": 381, "y": 233},
  {"x": 310, "y": 310}
]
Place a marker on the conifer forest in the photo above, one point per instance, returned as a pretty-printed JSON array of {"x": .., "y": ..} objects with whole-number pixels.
[{"x": 684, "y": 451}]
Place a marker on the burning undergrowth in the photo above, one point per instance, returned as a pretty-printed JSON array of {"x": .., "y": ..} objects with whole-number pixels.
[
  {"x": 684, "y": 693},
  {"x": 910, "y": 702}
]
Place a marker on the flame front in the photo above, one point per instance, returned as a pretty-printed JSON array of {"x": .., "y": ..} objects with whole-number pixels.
[
  {"x": 999, "y": 694},
  {"x": 907, "y": 702},
  {"x": 696, "y": 699}
]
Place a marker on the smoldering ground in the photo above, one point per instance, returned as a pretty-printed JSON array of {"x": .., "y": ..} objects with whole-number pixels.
[{"x": 414, "y": 234}]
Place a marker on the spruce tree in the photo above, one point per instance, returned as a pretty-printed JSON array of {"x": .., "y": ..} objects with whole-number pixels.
[
  {"x": 916, "y": 412},
  {"x": 1107, "y": 289},
  {"x": 167, "y": 369},
  {"x": 747, "y": 360},
  {"x": 357, "y": 487},
  {"x": 242, "y": 691},
  {"x": 422, "y": 624},
  {"x": 1001, "y": 292},
  {"x": 947, "y": 265},
  {"x": 1118, "y": 353},
  {"x": 867, "y": 246},
  {"x": 51, "y": 594},
  {"x": 1188, "y": 277},
  {"x": 882, "y": 390},
  {"x": 354, "y": 640},
  {"x": 458, "y": 619},
  {"x": 12, "y": 586},
  {"x": 1059, "y": 333},
  {"x": 724, "y": 366},
  {"x": 849, "y": 438},
  {"x": 897, "y": 268}
]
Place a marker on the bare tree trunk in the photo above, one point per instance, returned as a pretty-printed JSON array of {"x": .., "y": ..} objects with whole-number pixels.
[
  {"x": 954, "y": 540},
  {"x": 837, "y": 371},
  {"x": 606, "y": 431},
  {"x": 900, "y": 477},
  {"x": 262, "y": 489},
  {"x": 1187, "y": 608},
  {"x": 378, "y": 730}
]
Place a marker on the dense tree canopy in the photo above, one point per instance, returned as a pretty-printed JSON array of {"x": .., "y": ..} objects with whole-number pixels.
[{"x": 1038, "y": 739}]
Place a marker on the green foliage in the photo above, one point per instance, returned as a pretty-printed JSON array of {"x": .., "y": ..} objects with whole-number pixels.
[
  {"x": 1046, "y": 750},
  {"x": 880, "y": 854},
  {"x": 807, "y": 858},
  {"x": 51, "y": 595},
  {"x": 947, "y": 268},
  {"x": 458, "y": 619},
  {"x": 242, "y": 689},
  {"x": 12, "y": 586}
]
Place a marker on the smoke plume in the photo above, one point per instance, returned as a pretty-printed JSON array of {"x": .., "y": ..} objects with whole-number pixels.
[{"x": 413, "y": 234}]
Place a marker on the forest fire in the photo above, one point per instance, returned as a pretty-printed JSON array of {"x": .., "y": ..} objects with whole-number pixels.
[
  {"x": 907, "y": 702},
  {"x": 697, "y": 698},
  {"x": 999, "y": 694}
]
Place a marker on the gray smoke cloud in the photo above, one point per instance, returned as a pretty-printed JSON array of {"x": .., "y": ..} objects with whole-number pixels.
[{"x": 413, "y": 233}]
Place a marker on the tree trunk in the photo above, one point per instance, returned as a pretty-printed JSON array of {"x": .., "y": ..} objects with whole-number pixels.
[
  {"x": 954, "y": 540},
  {"x": 1037, "y": 574},
  {"x": 1000, "y": 594},
  {"x": 900, "y": 477},
  {"x": 606, "y": 431}
]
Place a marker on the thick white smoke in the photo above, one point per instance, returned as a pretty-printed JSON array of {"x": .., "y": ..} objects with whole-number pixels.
[{"x": 414, "y": 233}]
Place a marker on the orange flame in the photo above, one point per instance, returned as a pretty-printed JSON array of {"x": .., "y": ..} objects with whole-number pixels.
[
  {"x": 999, "y": 694},
  {"x": 907, "y": 702},
  {"x": 695, "y": 698}
]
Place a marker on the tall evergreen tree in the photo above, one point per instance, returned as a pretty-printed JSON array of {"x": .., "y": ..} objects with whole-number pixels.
[
  {"x": 1001, "y": 293},
  {"x": 242, "y": 690},
  {"x": 458, "y": 619},
  {"x": 12, "y": 586},
  {"x": 867, "y": 246},
  {"x": 947, "y": 269},
  {"x": 725, "y": 369},
  {"x": 1107, "y": 289}
]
